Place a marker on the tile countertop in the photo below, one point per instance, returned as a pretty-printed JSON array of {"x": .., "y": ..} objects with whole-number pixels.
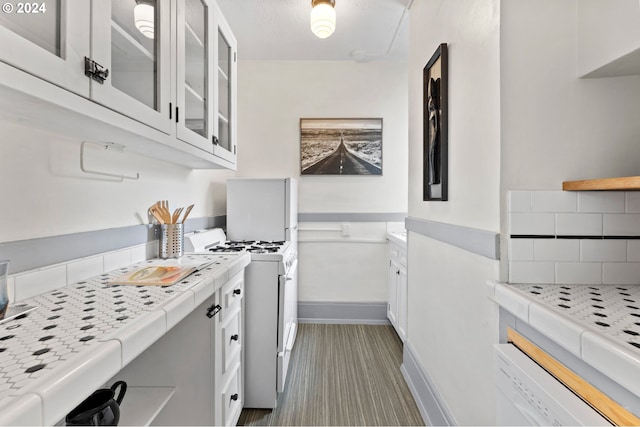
[
  {"x": 599, "y": 324},
  {"x": 83, "y": 334},
  {"x": 398, "y": 237}
]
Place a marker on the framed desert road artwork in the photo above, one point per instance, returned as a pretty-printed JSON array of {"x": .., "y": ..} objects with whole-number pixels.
[
  {"x": 435, "y": 104},
  {"x": 341, "y": 146}
]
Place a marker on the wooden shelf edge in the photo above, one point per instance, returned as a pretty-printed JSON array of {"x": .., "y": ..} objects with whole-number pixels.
[{"x": 604, "y": 184}]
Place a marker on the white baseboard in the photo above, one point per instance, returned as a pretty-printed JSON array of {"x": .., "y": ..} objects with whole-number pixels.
[{"x": 345, "y": 313}]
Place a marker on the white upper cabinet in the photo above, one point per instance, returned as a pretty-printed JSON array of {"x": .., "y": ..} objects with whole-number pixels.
[
  {"x": 226, "y": 111},
  {"x": 132, "y": 40},
  {"x": 163, "y": 70},
  {"x": 48, "y": 39}
]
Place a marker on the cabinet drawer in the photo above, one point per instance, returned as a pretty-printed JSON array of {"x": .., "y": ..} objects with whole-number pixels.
[
  {"x": 231, "y": 397},
  {"x": 231, "y": 336},
  {"x": 231, "y": 294}
]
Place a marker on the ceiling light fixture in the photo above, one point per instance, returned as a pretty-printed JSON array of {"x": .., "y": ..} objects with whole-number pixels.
[
  {"x": 144, "y": 17},
  {"x": 323, "y": 17}
]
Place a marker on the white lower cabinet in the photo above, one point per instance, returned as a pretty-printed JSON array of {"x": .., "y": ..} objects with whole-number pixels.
[
  {"x": 397, "y": 289},
  {"x": 193, "y": 374}
]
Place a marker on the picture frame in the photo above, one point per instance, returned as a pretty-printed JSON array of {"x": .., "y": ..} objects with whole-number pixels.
[
  {"x": 435, "y": 82},
  {"x": 341, "y": 146}
]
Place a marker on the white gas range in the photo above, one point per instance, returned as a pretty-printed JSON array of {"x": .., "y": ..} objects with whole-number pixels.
[{"x": 271, "y": 311}]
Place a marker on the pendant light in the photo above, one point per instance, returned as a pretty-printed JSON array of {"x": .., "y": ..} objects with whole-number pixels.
[
  {"x": 144, "y": 17},
  {"x": 323, "y": 17}
]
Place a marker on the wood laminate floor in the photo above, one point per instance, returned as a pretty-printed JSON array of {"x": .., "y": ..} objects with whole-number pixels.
[{"x": 342, "y": 375}]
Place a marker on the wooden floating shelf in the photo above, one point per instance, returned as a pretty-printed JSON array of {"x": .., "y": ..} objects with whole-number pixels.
[{"x": 611, "y": 184}]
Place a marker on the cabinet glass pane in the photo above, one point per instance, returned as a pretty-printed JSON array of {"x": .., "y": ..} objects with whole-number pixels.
[
  {"x": 37, "y": 22},
  {"x": 195, "y": 40},
  {"x": 134, "y": 40},
  {"x": 224, "y": 91}
]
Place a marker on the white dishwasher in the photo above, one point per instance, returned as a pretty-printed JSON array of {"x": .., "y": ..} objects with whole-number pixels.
[{"x": 529, "y": 395}]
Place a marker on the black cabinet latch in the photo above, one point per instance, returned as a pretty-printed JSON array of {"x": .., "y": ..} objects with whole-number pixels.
[
  {"x": 237, "y": 291},
  {"x": 214, "y": 140},
  {"x": 234, "y": 396},
  {"x": 213, "y": 310},
  {"x": 234, "y": 337},
  {"x": 95, "y": 71}
]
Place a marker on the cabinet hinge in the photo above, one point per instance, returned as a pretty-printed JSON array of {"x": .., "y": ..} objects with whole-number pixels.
[
  {"x": 234, "y": 149},
  {"x": 177, "y": 114},
  {"x": 95, "y": 71},
  {"x": 170, "y": 111}
]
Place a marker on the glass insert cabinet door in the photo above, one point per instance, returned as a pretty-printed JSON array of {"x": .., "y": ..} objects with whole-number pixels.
[
  {"x": 131, "y": 39},
  {"x": 226, "y": 85},
  {"x": 48, "y": 39},
  {"x": 194, "y": 61}
]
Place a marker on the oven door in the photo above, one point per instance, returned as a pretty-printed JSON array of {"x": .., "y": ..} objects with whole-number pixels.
[{"x": 287, "y": 321}]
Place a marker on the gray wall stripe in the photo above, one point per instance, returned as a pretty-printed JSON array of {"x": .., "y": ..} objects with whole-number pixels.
[
  {"x": 360, "y": 313},
  {"x": 40, "y": 252},
  {"x": 432, "y": 408},
  {"x": 351, "y": 216},
  {"x": 481, "y": 242}
]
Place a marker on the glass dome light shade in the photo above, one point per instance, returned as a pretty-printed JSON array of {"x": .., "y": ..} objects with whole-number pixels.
[
  {"x": 323, "y": 20},
  {"x": 143, "y": 15}
]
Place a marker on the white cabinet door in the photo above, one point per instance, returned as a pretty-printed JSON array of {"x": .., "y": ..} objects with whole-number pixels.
[
  {"x": 195, "y": 72},
  {"x": 402, "y": 316},
  {"x": 392, "y": 294},
  {"x": 225, "y": 48},
  {"x": 48, "y": 39},
  {"x": 135, "y": 48}
]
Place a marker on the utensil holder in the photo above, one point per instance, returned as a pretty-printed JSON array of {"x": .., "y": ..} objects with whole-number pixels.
[{"x": 171, "y": 240}]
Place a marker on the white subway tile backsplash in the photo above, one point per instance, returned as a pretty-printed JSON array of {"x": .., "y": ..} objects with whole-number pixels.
[
  {"x": 143, "y": 252},
  {"x": 531, "y": 223},
  {"x": 632, "y": 204},
  {"x": 622, "y": 224},
  {"x": 119, "y": 259},
  {"x": 556, "y": 250},
  {"x": 36, "y": 282},
  {"x": 519, "y": 201},
  {"x": 554, "y": 201},
  {"x": 601, "y": 201},
  {"x": 633, "y": 250},
  {"x": 577, "y": 273},
  {"x": 603, "y": 250},
  {"x": 578, "y": 224},
  {"x": 521, "y": 249},
  {"x": 621, "y": 273},
  {"x": 84, "y": 269},
  {"x": 531, "y": 272}
]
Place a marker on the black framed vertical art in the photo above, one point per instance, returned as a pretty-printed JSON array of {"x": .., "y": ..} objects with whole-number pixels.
[{"x": 435, "y": 127}]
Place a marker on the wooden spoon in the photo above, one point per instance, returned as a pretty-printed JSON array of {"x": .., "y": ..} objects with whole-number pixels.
[
  {"x": 187, "y": 212},
  {"x": 154, "y": 211}
]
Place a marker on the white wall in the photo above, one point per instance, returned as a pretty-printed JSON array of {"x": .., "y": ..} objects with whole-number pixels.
[
  {"x": 273, "y": 97},
  {"x": 556, "y": 127},
  {"x": 46, "y": 194},
  {"x": 451, "y": 321}
]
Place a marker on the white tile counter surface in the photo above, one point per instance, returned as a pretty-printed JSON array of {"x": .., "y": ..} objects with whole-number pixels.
[
  {"x": 598, "y": 323},
  {"x": 82, "y": 334},
  {"x": 398, "y": 237}
]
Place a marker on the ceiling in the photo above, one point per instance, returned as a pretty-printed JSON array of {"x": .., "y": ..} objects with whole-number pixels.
[{"x": 366, "y": 30}]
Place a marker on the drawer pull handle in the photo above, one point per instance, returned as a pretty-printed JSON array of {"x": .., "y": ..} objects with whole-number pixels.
[
  {"x": 236, "y": 292},
  {"x": 234, "y": 396},
  {"x": 234, "y": 337},
  {"x": 213, "y": 310}
]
